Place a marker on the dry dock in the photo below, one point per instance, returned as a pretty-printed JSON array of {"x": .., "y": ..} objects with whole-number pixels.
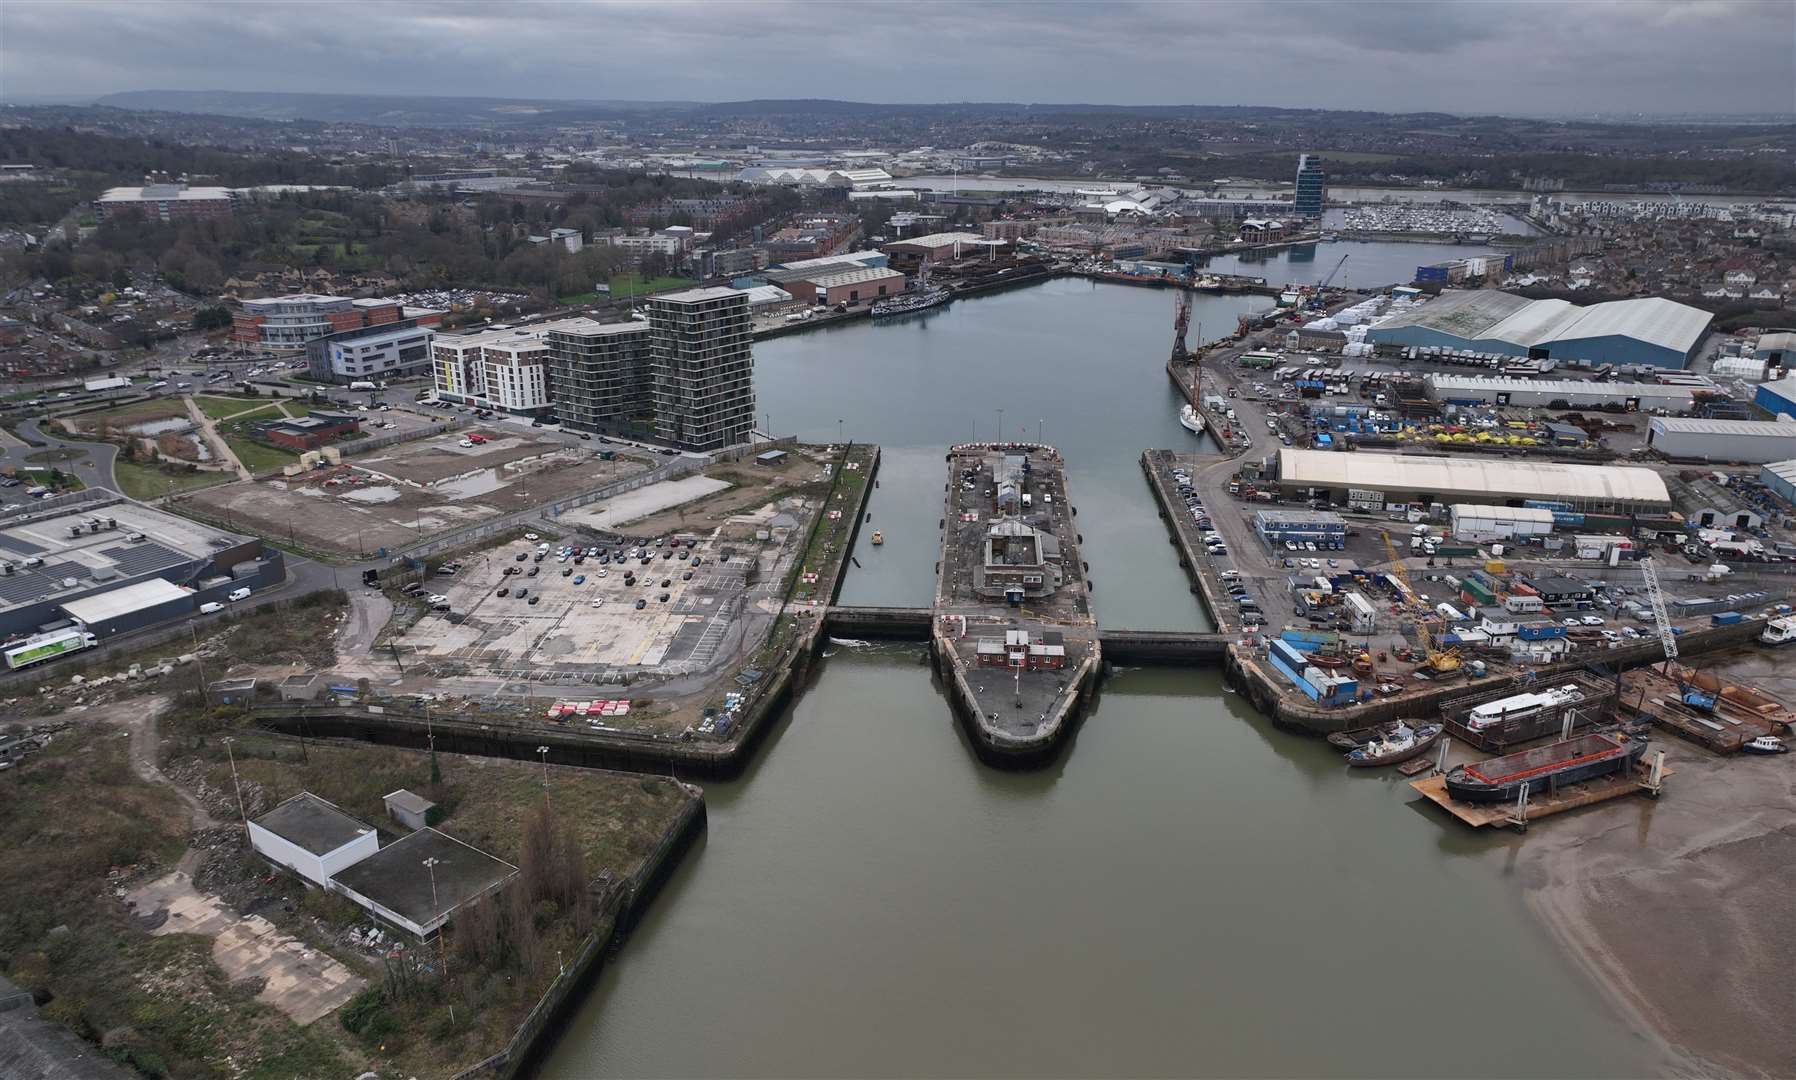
[
  {"x": 1013, "y": 635},
  {"x": 1570, "y": 797}
]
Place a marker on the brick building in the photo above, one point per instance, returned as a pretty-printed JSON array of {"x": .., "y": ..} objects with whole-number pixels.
[{"x": 309, "y": 432}]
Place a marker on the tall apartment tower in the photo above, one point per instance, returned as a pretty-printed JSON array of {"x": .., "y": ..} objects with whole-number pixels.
[
  {"x": 702, "y": 368},
  {"x": 599, "y": 375},
  {"x": 1312, "y": 186}
]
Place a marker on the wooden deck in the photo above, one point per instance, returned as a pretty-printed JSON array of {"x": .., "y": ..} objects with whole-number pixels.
[{"x": 1478, "y": 815}]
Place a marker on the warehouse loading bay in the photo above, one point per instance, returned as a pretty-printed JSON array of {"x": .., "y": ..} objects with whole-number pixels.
[{"x": 684, "y": 580}]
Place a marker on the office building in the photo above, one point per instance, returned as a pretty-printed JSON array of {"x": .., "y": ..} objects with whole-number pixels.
[
  {"x": 287, "y": 323},
  {"x": 372, "y": 353},
  {"x": 702, "y": 368},
  {"x": 166, "y": 201},
  {"x": 600, "y": 375},
  {"x": 1312, "y": 187}
]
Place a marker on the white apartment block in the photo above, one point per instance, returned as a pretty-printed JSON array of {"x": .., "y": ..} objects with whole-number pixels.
[{"x": 504, "y": 368}]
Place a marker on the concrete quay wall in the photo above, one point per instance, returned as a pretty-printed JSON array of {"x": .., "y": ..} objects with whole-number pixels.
[{"x": 1273, "y": 695}]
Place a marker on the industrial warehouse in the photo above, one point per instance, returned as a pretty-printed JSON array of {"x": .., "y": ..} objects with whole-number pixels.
[
  {"x": 1414, "y": 478},
  {"x": 1753, "y": 442},
  {"x": 106, "y": 566},
  {"x": 1567, "y": 393},
  {"x": 1647, "y": 330}
]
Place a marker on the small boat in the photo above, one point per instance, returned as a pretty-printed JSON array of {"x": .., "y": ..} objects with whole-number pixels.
[
  {"x": 1779, "y": 631},
  {"x": 1405, "y": 743},
  {"x": 879, "y": 537},
  {"x": 1192, "y": 422},
  {"x": 1358, "y": 737},
  {"x": 1764, "y": 744}
]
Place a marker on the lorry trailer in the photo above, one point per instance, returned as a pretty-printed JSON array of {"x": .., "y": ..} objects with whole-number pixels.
[{"x": 47, "y": 647}]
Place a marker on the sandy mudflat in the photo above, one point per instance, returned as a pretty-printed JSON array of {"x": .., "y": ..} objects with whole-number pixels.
[{"x": 1684, "y": 909}]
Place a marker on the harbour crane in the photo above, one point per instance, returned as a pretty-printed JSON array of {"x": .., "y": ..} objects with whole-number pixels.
[
  {"x": 1181, "y": 324},
  {"x": 1316, "y": 296},
  {"x": 1324, "y": 283},
  {"x": 1655, "y": 598},
  {"x": 1440, "y": 661}
]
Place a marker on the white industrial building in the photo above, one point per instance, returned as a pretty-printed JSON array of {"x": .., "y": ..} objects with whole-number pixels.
[
  {"x": 1780, "y": 477},
  {"x": 1404, "y": 479},
  {"x": 1645, "y": 330},
  {"x": 1479, "y": 523},
  {"x": 1575, "y": 393},
  {"x": 312, "y": 838},
  {"x": 1699, "y": 439}
]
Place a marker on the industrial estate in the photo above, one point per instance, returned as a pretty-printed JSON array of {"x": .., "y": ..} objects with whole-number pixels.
[{"x": 401, "y": 624}]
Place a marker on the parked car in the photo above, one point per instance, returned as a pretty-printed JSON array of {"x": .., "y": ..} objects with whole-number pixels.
[{"x": 503, "y": 591}]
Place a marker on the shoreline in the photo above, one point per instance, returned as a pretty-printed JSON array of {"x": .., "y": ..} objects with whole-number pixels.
[
  {"x": 1554, "y": 909},
  {"x": 1619, "y": 894}
]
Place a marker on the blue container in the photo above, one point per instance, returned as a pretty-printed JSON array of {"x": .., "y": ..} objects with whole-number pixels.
[{"x": 1725, "y": 618}]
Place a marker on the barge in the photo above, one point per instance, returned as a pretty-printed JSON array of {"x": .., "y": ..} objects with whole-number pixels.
[
  {"x": 1014, "y": 637},
  {"x": 1545, "y": 768}
]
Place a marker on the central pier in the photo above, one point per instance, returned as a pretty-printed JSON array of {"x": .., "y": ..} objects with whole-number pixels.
[{"x": 1013, "y": 635}]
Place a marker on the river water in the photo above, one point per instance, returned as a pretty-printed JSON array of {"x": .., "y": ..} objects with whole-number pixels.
[{"x": 1186, "y": 892}]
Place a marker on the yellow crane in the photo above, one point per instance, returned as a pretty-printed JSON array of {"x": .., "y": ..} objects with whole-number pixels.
[{"x": 1440, "y": 661}]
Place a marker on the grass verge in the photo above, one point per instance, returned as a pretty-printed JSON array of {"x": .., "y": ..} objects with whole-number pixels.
[{"x": 154, "y": 481}]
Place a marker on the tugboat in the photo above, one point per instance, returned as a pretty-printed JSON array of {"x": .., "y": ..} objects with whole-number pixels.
[
  {"x": 1764, "y": 744},
  {"x": 1401, "y": 745},
  {"x": 878, "y": 537},
  {"x": 1584, "y": 758}
]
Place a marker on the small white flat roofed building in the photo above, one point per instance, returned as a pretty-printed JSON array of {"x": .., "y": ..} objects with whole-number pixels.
[
  {"x": 130, "y": 607},
  {"x": 1424, "y": 478},
  {"x": 313, "y": 838},
  {"x": 396, "y": 886}
]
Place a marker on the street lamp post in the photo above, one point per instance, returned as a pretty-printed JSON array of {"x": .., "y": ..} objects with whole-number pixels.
[
  {"x": 543, "y": 752},
  {"x": 430, "y": 864},
  {"x": 241, "y": 813},
  {"x": 1000, "y": 425}
]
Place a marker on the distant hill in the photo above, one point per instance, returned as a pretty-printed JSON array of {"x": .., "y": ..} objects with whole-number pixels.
[
  {"x": 389, "y": 110},
  {"x": 428, "y": 111}
]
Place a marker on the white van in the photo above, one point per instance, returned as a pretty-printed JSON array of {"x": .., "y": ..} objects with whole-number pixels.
[
  {"x": 210, "y": 607},
  {"x": 238, "y": 594}
]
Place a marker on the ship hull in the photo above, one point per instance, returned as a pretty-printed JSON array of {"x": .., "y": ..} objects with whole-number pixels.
[
  {"x": 910, "y": 303},
  {"x": 1584, "y": 758}
]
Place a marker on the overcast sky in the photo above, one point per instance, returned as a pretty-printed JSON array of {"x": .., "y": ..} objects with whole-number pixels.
[{"x": 1565, "y": 56}]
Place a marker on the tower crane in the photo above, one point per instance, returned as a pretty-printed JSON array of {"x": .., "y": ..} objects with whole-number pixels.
[{"x": 1440, "y": 661}]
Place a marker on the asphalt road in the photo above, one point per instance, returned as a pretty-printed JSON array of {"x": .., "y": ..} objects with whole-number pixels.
[{"x": 94, "y": 468}]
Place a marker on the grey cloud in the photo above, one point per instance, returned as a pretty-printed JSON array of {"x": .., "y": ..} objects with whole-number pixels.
[{"x": 1476, "y": 56}]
